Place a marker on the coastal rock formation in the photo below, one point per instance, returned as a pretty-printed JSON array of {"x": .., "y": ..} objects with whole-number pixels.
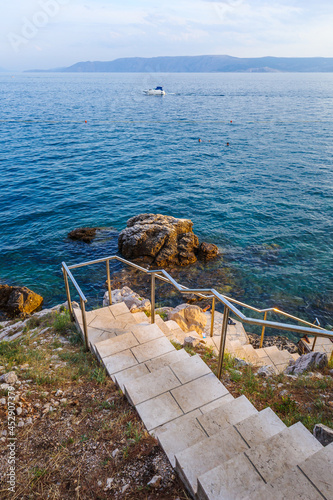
[
  {"x": 207, "y": 251},
  {"x": 189, "y": 317},
  {"x": 134, "y": 302},
  {"x": 167, "y": 240},
  {"x": 18, "y": 301},
  {"x": 85, "y": 234}
]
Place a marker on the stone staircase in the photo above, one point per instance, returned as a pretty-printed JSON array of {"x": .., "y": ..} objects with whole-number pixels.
[
  {"x": 237, "y": 344},
  {"x": 221, "y": 447}
]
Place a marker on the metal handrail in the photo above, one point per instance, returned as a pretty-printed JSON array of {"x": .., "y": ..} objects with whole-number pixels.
[{"x": 228, "y": 303}]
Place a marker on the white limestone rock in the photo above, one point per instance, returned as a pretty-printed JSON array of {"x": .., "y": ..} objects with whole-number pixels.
[
  {"x": 310, "y": 361},
  {"x": 189, "y": 317},
  {"x": 134, "y": 302}
]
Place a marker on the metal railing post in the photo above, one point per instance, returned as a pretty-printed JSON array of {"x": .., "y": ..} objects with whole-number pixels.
[
  {"x": 212, "y": 319},
  {"x": 152, "y": 298},
  {"x": 314, "y": 343},
  {"x": 109, "y": 281},
  {"x": 223, "y": 339},
  {"x": 84, "y": 323},
  {"x": 68, "y": 293},
  {"x": 263, "y": 332}
]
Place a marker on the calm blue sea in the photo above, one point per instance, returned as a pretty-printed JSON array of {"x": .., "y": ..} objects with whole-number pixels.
[{"x": 266, "y": 199}]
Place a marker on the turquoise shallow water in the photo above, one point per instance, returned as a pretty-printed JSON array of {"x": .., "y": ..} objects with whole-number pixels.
[{"x": 266, "y": 200}]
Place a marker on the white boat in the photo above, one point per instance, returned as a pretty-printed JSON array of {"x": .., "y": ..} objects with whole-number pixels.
[{"x": 157, "y": 91}]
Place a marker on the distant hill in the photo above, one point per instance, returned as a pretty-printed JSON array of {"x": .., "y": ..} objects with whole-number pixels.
[{"x": 202, "y": 64}]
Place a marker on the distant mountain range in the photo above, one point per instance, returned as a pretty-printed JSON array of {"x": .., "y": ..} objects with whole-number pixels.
[{"x": 202, "y": 64}]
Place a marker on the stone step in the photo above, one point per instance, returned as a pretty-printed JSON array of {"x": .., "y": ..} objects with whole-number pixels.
[
  {"x": 136, "y": 335},
  {"x": 318, "y": 468},
  {"x": 216, "y": 449},
  {"x": 140, "y": 317},
  {"x": 135, "y": 372},
  {"x": 312, "y": 476},
  {"x": 182, "y": 400},
  {"x": 259, "y": 464},
  {"x": 291, "y": 485},
  {"x": 165, "y": 379},
  {"x": 185, "y": 432},
  {"x": 226, "y": 415}
]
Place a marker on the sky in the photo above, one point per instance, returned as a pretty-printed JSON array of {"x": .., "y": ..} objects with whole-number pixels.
[{"x": 42, "y": 34}]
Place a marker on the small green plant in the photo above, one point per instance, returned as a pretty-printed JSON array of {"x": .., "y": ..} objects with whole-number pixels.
[
  {"x": 99, "y": 375},
  {"x": 163, "y": 315},
  {"x": 62, "y": 323},
  {"x": 83, "y": 438},
  {"x": 176, "y": 345},
  {"x": 37, "y": 473},
  {"x": 235, "y": 375},
  {"x": 287, "y": 406}
]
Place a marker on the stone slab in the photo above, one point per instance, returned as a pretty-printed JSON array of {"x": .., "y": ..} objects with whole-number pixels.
[
  {"x": 190, "y": 369},
  {"x": 166, "y": 360},
  {"x": 235, "y": 479},
  {"x": 259, "y": 427},
  {"x": 151, "y": 385},
  {"x": 199, "y": 392},
  {"x": 140, "y": 317},
  {"x": 105, "y": 312},
  {"x": 145, "y": 333},
  {"x": 116, "y": 344},
  {"x": 291, "y": 485},
  {"x": 217, "y": 403},
  {"x": 119, "y": 309},
  {"x": 228, "y": 414},
  {"x": 158, "y": 411},
  {"x": 95, "y": 336},
  {"x": 283, "y": 451},
  {"x": 319, "y": 469},
  {"x": 133, "y": 373},
  {"x": 152, "y": 349},
  {"x": 120, "y": 361},
  {"x": 172, "y": 325},
  {"x": 208, "y": 454},
  {"x": 102, "y": 322},
  {"x": 180, "y": 434}
]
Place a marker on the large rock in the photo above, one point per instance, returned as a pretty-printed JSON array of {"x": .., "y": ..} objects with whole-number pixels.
[
  {"x": 18, "y": 301},
  {"x": 189, "y": 317},
  {"x": 134, "y": 302},
  {"x": 307, "y": 362},
  {"x": 164, "y": 238}
]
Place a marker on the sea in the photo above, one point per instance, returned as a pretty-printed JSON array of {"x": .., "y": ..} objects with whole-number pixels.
[{"x": 90, "y": 149}]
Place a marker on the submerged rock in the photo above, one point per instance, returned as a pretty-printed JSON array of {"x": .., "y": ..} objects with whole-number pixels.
[
  {"x": 165, "y": 239},
  {"x": 85, "y": 234},
  {"x": 16, "y": 301},
  {"x": 207, "y": 251}
]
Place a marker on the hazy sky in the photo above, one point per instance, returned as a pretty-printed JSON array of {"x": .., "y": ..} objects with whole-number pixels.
[{"x": 53, "y": 33}]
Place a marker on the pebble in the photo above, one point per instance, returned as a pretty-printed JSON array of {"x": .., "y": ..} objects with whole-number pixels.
[
  {"x": 20, "y": 423},
  {"x": 28, "y": 420},
  {"x": 9, "y": 378},
  {"x": 155, "y": 482},
  {"x": 63, "y": 400},
  {"x": 3, "y": 401},
  {"x": 18, "y": 410},
  {"x": 284, "y": 393},
  {"x": 109, "y": 482},
  {"x": 115, "y": 453},
  {"x": 125, "y": 488}
]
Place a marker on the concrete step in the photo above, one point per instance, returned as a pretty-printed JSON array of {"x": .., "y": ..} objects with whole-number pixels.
[
  {"x": 250, "y": 354},
  {"x": 246, "y": 473},
  {"x": 140, "y": 317},
  {"x": 254, "y": 429},
  {"x": 165, "y": 379}
]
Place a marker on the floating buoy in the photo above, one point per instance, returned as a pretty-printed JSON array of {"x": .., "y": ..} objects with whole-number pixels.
[
  {"x": 227, "y": 143},
  {"x": 199, "y": 140},
  {"x": 85, "y": 121},
  {"x": 230, "y": 121}
]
